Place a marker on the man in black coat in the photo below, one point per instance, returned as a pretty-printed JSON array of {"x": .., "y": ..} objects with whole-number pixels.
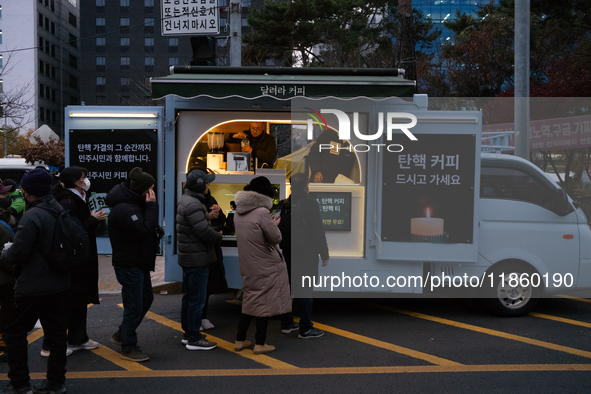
[
  {"x": 134, "y": 233},
  {"x": 262, "y": 145},
  {"x": 40, "y": 292},
  {"x": 303, "y": 240}
]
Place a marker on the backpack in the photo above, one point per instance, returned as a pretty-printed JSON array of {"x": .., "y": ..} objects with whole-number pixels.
[{"x": 70, "y": 246}]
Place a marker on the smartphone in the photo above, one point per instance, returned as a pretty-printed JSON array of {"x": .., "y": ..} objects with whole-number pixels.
[{"x": 276, "y": 213}]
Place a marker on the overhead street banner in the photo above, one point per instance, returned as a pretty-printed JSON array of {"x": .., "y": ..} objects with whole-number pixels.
[
  {"x": 190, "y": 17},
  {"x": 552, "y": 134}
]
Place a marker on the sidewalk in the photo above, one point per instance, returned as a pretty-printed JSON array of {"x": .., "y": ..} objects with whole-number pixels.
[{"x": 108, "y": 281}]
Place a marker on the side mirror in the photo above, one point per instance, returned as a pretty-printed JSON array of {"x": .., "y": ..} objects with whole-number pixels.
[{"x": 560, "y": 203}]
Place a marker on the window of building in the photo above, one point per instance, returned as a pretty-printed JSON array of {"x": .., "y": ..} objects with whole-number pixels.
[
  {"x": 100, "y": 99},
  {"x": 42, "y": 114},
  {"x": 73, "y": 40},
  {"x": 100, "y": 21},
  {"x": 149, "y": 22},
  {"x": 0, "y": 36},
  {"x": 41, "y": 66},
  {"x": 100, "y": 3},
  {"x": 73, "y": 82},
  {"x": 53, "y": 28},
  {"x": 244, "y": 22},
  {"x": 54, "y": 114},
  {"x": 125, "y": 81},
  {"x": 124, "y": 60},
  {"x": 47, "y": 24},
  {"x": 52, "y": 5},
  {"x": 73, "y": 61},
  {"x": 148, "y": 61},
  {"x": 47, "y": 47},
  {"x": 47, "y": 69},
  {"x": 124, "y": 41},
  {"x": 173, "y": 61},
  {"x": 1, "y": 86},
  {"x": 41, "y": 90},
  {"x": 148, "y": 3},
  {"x": 53, "y": 95},
  {"x": 100, "y": 41},
  {"x": 101, "y": 60},
  {"x": 72, "y": 19},
  {"x": 40, "y": 20},
  {"x": 124, "y": 3},
  {"x": 40, "y": 44},
  {"x": 173, "y": 42},
  {"x": 53, "y": 50},
  {"x": 47, "y": 92},
  {"x": 124, "y": 21},
  {"x": 52, "y": 72},
  {"x": 149, "y": 41},
  {"x": 101, "y": 81},
  {"x": 123, "y": 99}
]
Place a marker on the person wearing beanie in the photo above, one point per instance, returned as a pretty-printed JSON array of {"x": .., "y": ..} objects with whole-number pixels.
[
  {"x": 196, "y": 241},
  {"x": 265, "y": 283},
  {"x": 17, "y": 207},
  {"x": 40, "y": 292},
  {"x": 135, "y": 236}
]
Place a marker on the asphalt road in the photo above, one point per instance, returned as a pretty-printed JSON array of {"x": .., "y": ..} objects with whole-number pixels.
[{"x": 370, "y": 346}]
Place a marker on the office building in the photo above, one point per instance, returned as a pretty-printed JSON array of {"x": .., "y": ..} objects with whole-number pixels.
[{"x": 39, "y": 59}]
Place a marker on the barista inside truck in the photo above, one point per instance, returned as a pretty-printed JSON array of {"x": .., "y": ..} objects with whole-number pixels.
[{"x": 261, "y": 145}]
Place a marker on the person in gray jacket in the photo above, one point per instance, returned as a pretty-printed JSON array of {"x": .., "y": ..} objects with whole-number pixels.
[{"x": 196, "y": 241}]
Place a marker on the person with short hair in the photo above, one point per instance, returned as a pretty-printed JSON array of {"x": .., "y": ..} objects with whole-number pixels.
[
  {"x": 135, "y": 234},
  {"x": 17, "y": 207},
  {"x": 196, "y": 246},
  {"x": 72, "y": 194},
  {"x": 40, "y": 292},
  {"x": 261, "y": 145}
]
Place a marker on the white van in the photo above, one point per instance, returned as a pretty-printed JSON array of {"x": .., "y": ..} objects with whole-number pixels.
[{"x": 14, "y": 168}]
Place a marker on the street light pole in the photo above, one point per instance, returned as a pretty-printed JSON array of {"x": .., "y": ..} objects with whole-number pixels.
[{"x": 5, "y": 148}]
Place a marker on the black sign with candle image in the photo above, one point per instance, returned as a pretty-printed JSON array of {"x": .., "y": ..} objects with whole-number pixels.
[{"x": 428, "y": 190}]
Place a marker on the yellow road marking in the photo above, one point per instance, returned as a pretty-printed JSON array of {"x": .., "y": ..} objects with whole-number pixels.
[
  {"x": 488, "y": 331},
  {"x": 385, "y": 345},
  {"x": 115, "y": 358},
  {"x": 32, "y": 337},
  {"x": 561, "y": 319},
  {"x": 323, "y": 371},
  {"x": 574, "y": 298},
  {"x": 246, "y": 353}
]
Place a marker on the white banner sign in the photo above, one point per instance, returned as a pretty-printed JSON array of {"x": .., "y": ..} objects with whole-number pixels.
[{"x": 190, "y": 17}]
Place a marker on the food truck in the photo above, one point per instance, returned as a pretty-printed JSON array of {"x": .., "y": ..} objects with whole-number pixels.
[{"x": 412, "y": 206}]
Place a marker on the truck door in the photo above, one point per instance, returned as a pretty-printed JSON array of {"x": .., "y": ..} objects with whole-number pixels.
[{"x": 517, "y": 221}]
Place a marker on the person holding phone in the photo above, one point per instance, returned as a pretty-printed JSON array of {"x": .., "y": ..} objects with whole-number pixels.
[
  {"x": 71, "y": 193},
  {"x": 134, "y": 233}
]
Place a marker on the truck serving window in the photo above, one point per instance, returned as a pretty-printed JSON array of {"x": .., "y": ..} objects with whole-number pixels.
[{"x": 512, "y": 184}]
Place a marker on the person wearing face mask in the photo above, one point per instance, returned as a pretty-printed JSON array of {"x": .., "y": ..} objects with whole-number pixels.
[{"x": 71, "y": 193}]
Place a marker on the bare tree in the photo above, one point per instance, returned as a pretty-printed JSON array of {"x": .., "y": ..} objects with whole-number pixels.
[{"x": 16, "y": 102}]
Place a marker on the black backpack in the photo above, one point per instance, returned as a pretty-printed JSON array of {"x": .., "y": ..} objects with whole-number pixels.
[
  {"x": 70, "y": 248},
  {"x": 289, "y": 211}
]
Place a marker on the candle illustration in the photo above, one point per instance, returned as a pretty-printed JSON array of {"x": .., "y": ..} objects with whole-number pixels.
[{"x": 427, "y": 229}]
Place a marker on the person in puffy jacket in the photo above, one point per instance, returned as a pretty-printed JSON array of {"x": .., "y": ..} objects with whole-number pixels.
[
  {"x": 265, "y": 283},
  {"x": 196, "y": 246},
  {"x": 40, "y": 292},
  {"x": 134, "y": 233}
]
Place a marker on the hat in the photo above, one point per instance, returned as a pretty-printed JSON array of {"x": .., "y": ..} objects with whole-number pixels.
[
  {"x": 197, "y": 179},
  {"x": 140, "y": 181},
  {"x": 5, "y": 189},
  {"x": 37, "y": 182},
  {"x": 9, "y": 183},
  {"x": 261, "y": 185}
]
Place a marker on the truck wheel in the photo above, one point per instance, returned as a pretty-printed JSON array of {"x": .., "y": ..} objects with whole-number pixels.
[{"x": 508, "y": 300}]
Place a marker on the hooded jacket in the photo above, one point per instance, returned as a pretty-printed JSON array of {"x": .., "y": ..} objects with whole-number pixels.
[
  {"x": 196, "y": 239},
  {"x": 265, "y": 283},
  {"x": 32, "y": 241},
  {"x": 84, "y": 281},
  {"x": 133, "y": 226}
]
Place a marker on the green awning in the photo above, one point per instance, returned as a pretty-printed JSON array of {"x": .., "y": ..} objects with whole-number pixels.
[{"x": 281, "y": 83}]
